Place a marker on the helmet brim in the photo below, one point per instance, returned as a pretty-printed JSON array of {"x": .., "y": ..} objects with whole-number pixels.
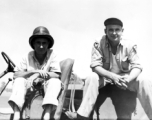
[{"x": 48, "y": 37}]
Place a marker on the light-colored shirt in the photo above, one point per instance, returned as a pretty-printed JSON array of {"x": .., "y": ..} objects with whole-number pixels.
[
  {"x": 29, "y": 63},
  {"x": 114, "y": 68},
  {"x": 126, "y": 56}
]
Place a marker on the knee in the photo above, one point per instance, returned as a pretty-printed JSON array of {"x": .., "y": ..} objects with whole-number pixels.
[
  {"x": 54, "y": 81},
  {"x": 144, "y": 82},
  {"x": 53, "y": 84},
  {"x": 143, "y": 78},
  {"x": 19, "y": 81}
]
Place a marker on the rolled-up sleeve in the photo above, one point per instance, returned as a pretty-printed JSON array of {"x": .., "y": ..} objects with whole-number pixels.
[
  {"x": 96, "y": 55},
  {"x": 55, "y": 64},
  {"x": 134, "y": 58}
]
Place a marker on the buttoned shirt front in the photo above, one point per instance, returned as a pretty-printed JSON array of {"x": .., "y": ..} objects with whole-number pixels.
[
  {"x": 29, "y": 63},
  {"x": 126, "y": 55}
]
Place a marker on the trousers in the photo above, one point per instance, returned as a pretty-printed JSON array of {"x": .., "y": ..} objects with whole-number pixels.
[
  {"x": 52, "y": 88},
  {"x": 141, "y": 87}
]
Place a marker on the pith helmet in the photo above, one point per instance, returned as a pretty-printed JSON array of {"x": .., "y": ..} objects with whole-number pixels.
[{"x": 41, "y": 32}]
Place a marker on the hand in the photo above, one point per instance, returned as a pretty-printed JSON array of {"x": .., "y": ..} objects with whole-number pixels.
[
  {"x": 126, "y": 79},
  {"x": 43, "y": 74},
  {"x": 31, "y": 79},
  {"x": 119, "y": 81},
  {"x": 124, "y": 85},
  {"x": 38, "y": 81}
]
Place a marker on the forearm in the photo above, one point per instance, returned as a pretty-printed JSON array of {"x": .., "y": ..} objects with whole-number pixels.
[
  {"x": 50, "y": 75},
  {"x": 54, "y": 75},
  {"x": 103, "y": 72},
  {"x": 111, "y": 77},
  {"x": 134, "y": 73},
  {"x": 24, "y": 74}
]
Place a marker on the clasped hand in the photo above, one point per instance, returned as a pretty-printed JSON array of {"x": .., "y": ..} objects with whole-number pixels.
[
  {"x": 43, "y": 74},
  {"x": 120, "y": 81},
  {"x": 38, "y": 74}
]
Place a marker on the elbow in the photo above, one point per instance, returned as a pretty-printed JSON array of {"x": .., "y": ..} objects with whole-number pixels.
[
  {"x": 95, "y": 69},
  {"x": 137, "y": 67}
]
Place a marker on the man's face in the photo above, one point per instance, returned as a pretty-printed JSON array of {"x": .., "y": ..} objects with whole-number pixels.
[
  {"x": 41, "y": 45},
  {"x": 114, "y": 32}
]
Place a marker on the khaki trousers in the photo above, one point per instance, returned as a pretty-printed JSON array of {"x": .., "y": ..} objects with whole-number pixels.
[
  {"x": 141, "y": 85},
  {"x": 52, "y": 88}
]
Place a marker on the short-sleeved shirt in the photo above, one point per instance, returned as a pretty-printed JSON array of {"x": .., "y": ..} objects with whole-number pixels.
[
  {"x": 29, "y": 63},
  {"x": 126, "y": 56}
]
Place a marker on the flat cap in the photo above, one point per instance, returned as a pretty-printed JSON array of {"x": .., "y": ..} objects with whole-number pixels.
[{"x": 113, "y": 21}]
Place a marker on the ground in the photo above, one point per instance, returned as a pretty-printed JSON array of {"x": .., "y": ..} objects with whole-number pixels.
[{"x": 107, "y": 109}]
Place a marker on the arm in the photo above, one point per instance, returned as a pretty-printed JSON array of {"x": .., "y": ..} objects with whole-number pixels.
[
  {"x": 40, "y": 73},
  {"x": 21, "y": 68},
  {"x": 46, "y": 76},
  {"x": 102, "y": 72},
  {"x": 134, "y": 73},
  {"x": 54, "y": 75},
  {"x": 110, "y": 75},
  {"x": 24, "y": 74},
  {"x": 134, "y": 59},
  {"x": 97, "y": 65},
  {"x": 136, "y": 67}
]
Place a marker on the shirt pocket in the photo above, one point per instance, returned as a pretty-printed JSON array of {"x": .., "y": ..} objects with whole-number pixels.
[
  {"x": 106, "y": 63},
  {"x": 125, "y": 63}
]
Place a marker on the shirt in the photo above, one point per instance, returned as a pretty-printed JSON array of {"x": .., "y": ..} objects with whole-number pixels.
[
  {"x": 29, "y": 63},
  {"x": 115, "y": 67},
  {"x": 126, "y": 55}
]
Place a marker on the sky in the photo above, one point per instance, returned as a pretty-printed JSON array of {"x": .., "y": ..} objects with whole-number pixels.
[{"x": 74, "y": 25}]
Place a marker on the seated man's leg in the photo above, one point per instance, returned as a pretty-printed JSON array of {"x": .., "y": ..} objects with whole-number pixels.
[
  {"x": 124, "y": 102},
  {"x": 91, "y": 91},
  {"x": 103, "y": 94},
  {"x": 52, "y": 88},
  {"x": 17, "y": 97},
  {"x": 143, "y": 86}
]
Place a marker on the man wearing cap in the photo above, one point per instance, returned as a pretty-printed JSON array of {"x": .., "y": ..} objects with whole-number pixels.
[
  {"x": 116, "y": 73},
  {"x": 41, "y": 64}
]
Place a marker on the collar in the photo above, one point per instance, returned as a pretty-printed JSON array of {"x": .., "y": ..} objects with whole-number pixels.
[{"x": 47, "y": 55}]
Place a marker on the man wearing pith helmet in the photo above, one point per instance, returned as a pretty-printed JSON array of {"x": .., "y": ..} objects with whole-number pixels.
[
  {"x": 40, "y": 64},
  {"x": 116, "y": 73}
]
